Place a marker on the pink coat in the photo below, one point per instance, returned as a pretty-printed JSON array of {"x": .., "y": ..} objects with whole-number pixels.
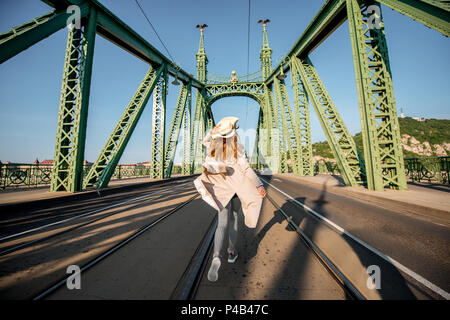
[{"x": 218, "y": 189}]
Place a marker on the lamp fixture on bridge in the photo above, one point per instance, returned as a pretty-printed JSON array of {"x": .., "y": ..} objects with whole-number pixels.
[
  {"x": 176, "y": 82},
  {"x": 284, "y": 59},
  {"x": 281, "y": 76}
]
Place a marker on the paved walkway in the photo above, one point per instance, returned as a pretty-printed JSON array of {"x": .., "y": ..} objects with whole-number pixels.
[
  {"x": 30, "y": 194},
  {"x": 420, "y": 194}
]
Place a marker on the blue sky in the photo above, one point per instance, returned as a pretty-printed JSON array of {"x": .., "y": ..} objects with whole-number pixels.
[{"x": 30, "y": 82}]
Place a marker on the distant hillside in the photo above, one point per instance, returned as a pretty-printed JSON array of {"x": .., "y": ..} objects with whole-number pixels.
[{"x": 430, "y": 137}]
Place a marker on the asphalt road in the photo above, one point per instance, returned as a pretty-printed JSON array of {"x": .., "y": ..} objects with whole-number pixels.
[
  {"x": 273, "y": 263},
  {"x": 422, "y": 245}
]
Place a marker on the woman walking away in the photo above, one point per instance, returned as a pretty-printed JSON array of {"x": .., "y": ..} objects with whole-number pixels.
[{"x": 226, "y": 179}]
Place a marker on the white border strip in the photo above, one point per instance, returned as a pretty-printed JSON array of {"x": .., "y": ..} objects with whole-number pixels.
[
  {"x": 90, "y": 212},
  {"x": 397, "y": 264}
]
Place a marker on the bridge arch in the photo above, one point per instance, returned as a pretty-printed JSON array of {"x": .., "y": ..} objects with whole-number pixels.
[
  {"x": 217, "y": 97},
  {"x": 252, "y": 90}
]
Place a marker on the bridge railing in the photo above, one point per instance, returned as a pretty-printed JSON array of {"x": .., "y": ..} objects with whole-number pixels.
[
  {"x": 22, "y": 175},
  {"x": 251, "y": 77},
  {"x": 326, "y": 167},
  {"x": 428, "y": 169}
]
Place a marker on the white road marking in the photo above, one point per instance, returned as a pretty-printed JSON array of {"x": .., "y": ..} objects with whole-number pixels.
[
  {"x": 87, "y": 213},
  {"x": 394, "y": 262}
]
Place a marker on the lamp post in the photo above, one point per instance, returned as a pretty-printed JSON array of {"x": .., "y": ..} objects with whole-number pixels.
[
  {"x": 284, "y": 59},
  {"x": 176, "y": 82}
]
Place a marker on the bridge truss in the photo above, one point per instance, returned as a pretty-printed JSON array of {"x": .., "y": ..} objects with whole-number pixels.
[{"x": 283, "y": 138}]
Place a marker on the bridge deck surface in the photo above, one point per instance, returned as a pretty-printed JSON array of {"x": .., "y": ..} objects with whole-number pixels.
[{"x": 272, "y": 264}]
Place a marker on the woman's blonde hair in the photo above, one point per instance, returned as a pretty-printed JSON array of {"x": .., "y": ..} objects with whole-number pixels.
[{"x": 225, "y": 149}]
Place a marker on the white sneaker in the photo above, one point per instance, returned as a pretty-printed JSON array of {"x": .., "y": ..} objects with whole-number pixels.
[{"x": 213, "y": 273}]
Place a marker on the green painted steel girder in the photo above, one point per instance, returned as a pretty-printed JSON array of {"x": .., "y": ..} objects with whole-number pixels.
[
  {"x": 253, "y": 90},
  {"x": 272, "y": 131},
  {"x": 379, "y": 122},
  {"x": 158, "y": 147},
  {"x": 104, "y": 167},
  {"x": 197, "y": 133},
  {"x": 329, "y": 17},
  {"x": 339, "y": 138},
  {"x": 174, "y": 131},
  {"x": 24, "y": 36},
  {"x": 115, "y": 30},
  {"x": 290, "y": 130},
  {"x": 432, "y": 13},
  {"x": 186, "y": 159},
  {"x": 280, "y": 131},
  {"x": 302, "y": 124},
  {"x": 254, "y": 160},
  {"x": 67, "y": 171}
]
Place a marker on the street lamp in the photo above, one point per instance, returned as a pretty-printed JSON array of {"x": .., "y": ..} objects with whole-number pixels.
[
  {"x": 176, "y": 82},
  {"x": 281, "y": 76},
  {"x": 284, "y": 59}
]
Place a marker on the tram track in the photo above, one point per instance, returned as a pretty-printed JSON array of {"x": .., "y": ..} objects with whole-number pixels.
[
  {"x": 23, "y": 273},
  {"x": 140, "y": 200},
  {"x": 354, "y": 257},
  {"x": 187, "y": 279},
  {"x": 350, "y": 290},
  {"x": 76, "y": 216},
  {"x": 60, "y": 283},
  {"x": 189, "y": 283}
]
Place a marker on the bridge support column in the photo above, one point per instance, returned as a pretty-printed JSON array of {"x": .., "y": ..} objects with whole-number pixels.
[
  {"x": 67, "y": 171},
  {"x": 290, "y": 134},
  {"x": 272, "y": 132},
  {"x": 174, "y": 131},
  {"x": 158, "y": 149},
  {"x": 263, "y": 153},
  {"x": 379, "y": 123},
  {"x": 198, "y": 133},
  {"x": 302, "y": 125},
  {"x": 105, "y": 165},
  {"x": 339, "y": 138},
  {"x": 187, "y": 138},
  {"x": 281, "y": 134}
]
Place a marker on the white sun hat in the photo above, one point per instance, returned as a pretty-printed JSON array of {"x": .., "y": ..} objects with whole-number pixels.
[{"x": 226, "y": 127}]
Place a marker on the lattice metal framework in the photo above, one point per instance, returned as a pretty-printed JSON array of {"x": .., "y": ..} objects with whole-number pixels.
[
  {"x": 338, "y": 136},
  {"x": 158, "y": 149},
  {"x": 186, "y": 125},
  {"x": 103, "y": 168},
  {"x": 302, "y": 124},
  {"x": 379, "y": 121},
  {"x": 277, "y": 130},
  {"x": 290, "y": 132},
  {"x": 174, "y": 132},
  {"x": 67, "y": 171}
]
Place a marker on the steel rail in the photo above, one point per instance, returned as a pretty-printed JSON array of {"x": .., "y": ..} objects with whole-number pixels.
[
  {"x": 417, "y": 277},
  {"x": 29, "y": 243},
  {"x": 187, "y": 286},
  {"x": 108, "y": 252},
  {"x": 322, "y": 258}
]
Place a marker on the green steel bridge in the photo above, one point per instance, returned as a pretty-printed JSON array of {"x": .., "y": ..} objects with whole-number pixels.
[{"x": 283, "y": 130}]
